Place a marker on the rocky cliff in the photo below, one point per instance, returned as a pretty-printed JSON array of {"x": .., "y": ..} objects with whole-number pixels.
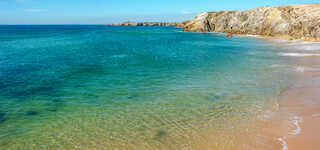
[{"x": 293, "y": 22}]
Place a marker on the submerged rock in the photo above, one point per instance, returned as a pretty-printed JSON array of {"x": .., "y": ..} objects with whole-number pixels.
[
  {"x": 3, "y": 117},
  {"x": 160, "y": 134},
  {"x": 229, "y": 35},
  {"x": 32, "y": 113},
  {"x": 292, "y": 22}
]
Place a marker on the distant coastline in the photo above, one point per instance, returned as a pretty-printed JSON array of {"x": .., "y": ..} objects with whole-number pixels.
[
  {"x": 293, "y": 22},
  {"x": 129, "y": 23}
]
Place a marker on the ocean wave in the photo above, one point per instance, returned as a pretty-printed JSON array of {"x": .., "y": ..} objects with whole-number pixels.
[
  {"x": 248, "y": 35},
  {"x": 296, "y": 130},
  {"x": 300, "y": 69},
  {"x": 298, "y": 54},
  {"x": 299, "y": 45},
  {"x": 311, "y": 47},
  {"x": 296, "y": 122},
  {"x": 303, "y": 69}
]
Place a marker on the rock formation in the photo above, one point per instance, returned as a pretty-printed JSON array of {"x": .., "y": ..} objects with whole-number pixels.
[
  {"x": 177, "y": 24},
  {"x": 293, "y": 22}
]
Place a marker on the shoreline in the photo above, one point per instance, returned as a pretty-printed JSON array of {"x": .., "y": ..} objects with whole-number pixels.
[
  {"x": 301, "y": 101},
  {"x": 296, "y": 123}
]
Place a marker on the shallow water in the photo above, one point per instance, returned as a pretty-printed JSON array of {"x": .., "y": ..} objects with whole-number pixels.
[{"x": 97, "y": 87}]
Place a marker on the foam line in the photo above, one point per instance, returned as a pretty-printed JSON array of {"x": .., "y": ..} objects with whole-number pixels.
[
  {"x": 284, "y": 143},
  {"x": 296, "y": 120},
  {"x": 298, "y": 54},
  {"x": 308, "y": 47},
  {"x": 300, "y": 69}
]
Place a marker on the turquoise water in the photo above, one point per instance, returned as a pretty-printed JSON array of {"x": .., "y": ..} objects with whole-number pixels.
[{"x": 98, "y": 87}]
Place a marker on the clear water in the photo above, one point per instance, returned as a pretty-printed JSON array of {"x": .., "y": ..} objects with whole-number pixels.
[{"x": 98, "y": 87}]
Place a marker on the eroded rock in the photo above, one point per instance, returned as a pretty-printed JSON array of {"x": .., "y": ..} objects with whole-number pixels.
[{"x": 293, "y": 22}]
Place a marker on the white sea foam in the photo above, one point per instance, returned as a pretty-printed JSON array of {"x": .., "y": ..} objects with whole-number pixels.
[
  {"x": 276, "y": 66},
  {"x": 249, "y": 35},
  {"x": 300, "y": 69},
  {"x": 284, "y": 143},
  {"x": 304, "y": 45},
  {"x": 304, "y": 69},
  {"x": 299, "y": 45},
  {"x": 308, "y": 47},
  {"x": 297, "y": 130},
  {"x": 296, "y": 121},
  {"x": 298, "y": 54}
]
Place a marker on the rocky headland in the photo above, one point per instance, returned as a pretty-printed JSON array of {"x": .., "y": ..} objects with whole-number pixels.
[
  {"x": 177, "y": 24},
  {"x": 295, "y": 22}
]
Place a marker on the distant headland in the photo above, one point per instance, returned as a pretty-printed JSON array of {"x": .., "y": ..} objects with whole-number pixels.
[{"x": 129, "y": 23}]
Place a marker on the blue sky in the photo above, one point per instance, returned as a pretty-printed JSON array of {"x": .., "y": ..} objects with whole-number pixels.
[{"x": 115, "y": 11}]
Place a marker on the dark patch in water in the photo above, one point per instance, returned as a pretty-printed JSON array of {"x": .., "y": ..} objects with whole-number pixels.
[
  {"x": 56, "y": 105},
  {"x": 214, "y": 97},
  {"x": 32, "y": 91},
  {"x": 57, "y": 102},
  {"x": 15, "y": 75},
  {"x": 132, "y": 97},
  {"x": 32, "y": 113},
  {"x": 3, "y": 117},
  {"x": 19, "y": 70},
  {"x": 9, "y": 83},
  {"x": 160, "y": 134},
  {"x": 85, "y": 70},
  {"x": 224, "y": 97}
]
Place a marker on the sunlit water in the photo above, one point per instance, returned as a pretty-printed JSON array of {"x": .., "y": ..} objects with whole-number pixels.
[{"x": 98, "y": 87}]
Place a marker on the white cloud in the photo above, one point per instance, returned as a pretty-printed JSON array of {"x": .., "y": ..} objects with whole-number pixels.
[{"x": 35, "y": 10}]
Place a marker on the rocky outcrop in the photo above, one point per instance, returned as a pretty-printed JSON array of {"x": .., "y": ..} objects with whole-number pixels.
[
  {"x": 177, "y": 24},
  {"x": 292, "y": 22}
]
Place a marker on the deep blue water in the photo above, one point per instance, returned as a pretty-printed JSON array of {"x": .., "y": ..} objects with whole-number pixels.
[{"x": 99, "y": 87}]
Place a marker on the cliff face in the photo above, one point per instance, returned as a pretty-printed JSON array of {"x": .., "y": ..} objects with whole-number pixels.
[{"x": 292, "y": 22}]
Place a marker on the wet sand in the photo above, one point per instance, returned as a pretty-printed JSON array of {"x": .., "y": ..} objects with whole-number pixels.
[
  {"x": 295, "y": 125},
  {"x": 301, "y": 102}
]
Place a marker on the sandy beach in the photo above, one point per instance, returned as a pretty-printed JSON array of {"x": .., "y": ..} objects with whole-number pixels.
[{"x": 301, "y": 101}]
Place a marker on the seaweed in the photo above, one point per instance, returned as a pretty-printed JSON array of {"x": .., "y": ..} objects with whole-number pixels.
[
  {"x": 3, "y": 117},
  {"x": 132, "y": 96},
  {"x": 160, "y": 134},
  {"x": 32, "y": 113}
]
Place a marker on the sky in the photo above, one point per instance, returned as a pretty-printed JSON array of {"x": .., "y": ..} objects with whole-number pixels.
[{"x": 116, "y": 11}]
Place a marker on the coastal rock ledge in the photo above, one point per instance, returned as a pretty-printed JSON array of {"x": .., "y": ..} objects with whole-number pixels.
[{"x": 301, "y": 22}]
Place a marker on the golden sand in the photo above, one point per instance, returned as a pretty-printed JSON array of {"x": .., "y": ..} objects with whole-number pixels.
[{"x": 301, "y": 103}]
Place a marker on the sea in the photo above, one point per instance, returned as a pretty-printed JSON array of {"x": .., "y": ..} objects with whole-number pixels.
[{"x": 97, "y": 87}]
